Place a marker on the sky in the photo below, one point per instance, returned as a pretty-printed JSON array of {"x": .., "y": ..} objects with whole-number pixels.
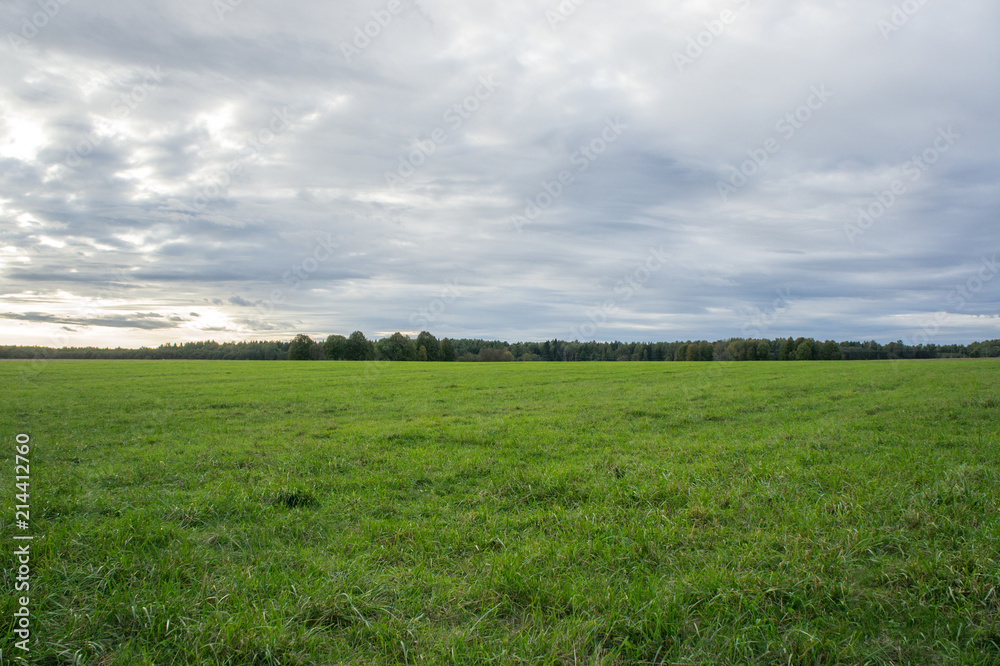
[{"x": 524, "y": 170}]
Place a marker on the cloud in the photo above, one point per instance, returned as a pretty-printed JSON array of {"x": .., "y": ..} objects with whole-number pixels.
[
  {"x": 139, "y": 320},
  {"x": 160, "y": 159}
]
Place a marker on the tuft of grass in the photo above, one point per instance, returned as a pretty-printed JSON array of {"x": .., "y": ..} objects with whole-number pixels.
[{"x": 295, "y": 499}]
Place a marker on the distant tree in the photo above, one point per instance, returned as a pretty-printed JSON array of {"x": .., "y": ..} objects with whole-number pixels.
[
  {"x": 700, "y": 351},
  {"x": 430, "y": 344},
  {"x": 804, "y": 352},
  {"x": 447, "y": 350},
  {"x": 491, "y": 355},
  {"x": 830, "y": 351},
  {"x": 301, "y": 348},
  {"x": 896, "y": 350},
  {"x": 359, "y": 348},
  {"x": 763, "y": 350},
  {"x": 335, "y": 348},
  {"x": 680, "y": 354},
  {"x": 786, "y": 350},
  {"x": 422, "y": 353},
  {"x": 397, "y": 347}
]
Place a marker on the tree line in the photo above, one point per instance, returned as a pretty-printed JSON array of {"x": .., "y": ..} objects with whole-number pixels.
[{"x": 427, "y": 347}]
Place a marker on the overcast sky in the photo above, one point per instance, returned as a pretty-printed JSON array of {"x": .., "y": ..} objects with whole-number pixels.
[{"x": 241, "y": 169}]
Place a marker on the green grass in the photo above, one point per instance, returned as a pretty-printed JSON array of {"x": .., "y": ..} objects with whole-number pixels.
[{"x": 621, "y": 513}]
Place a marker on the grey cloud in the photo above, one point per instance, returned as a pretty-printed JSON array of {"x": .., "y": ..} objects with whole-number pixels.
[
  {"x": 138, "y": 321},
  {"x": 129, "y": 208}
]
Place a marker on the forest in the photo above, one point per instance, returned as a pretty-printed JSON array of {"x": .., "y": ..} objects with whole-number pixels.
[{"x": 427, "y": 347}]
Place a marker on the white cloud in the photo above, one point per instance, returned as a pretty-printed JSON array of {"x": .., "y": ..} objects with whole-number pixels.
[{"x": 20, "y": 137}]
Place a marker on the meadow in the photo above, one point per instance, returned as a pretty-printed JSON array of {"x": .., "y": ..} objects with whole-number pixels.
[{"x": 500, "y": 513}]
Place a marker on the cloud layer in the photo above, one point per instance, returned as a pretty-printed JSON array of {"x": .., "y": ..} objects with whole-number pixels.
[{"x": 522, "y": 170}]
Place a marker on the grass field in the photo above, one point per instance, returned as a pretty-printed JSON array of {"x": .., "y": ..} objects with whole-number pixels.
[{"x": 622, "y": 513}]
